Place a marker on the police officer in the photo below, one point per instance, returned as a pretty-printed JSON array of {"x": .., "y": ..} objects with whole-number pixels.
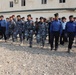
[
  {"x": 18, "y": 29},
  {"x": 36, "y": 26},
  {"x": 7, "y": 28},
  {"x": 42, "y": 31},
  {"x": 49, "y": 24},
  {"x": 55, "y": 29},
  {"x": 11, "y": 26},
  {"x": 71, "y": 30},
  {"x": 1, "y": 34},
  {"x": 3, "y": 27},
  {"x": 29, "y": 29},
  {"x": 14, "y": 18},
  {"x": 63, "y": 38},
  {"x": 24, "y": 27}
]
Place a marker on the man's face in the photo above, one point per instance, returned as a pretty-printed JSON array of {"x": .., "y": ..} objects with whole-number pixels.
[
  {"x": 23, "y": 19},
  {"x": 42, "y": 20},
  {"x": 11, "y": 19},
  {"x": 7, "y": 20},
  {"x": 2, "y": 18},
  {"x": 13, "y": 16},
  {"x": 71, "y": 19},
  {"x": 18, "y": 18},
  {"x": 29, "y": 18},
  {"x": 36, "y": 19},
  {"x": 56, "y": 18},
  {"x": 64, "y": 20},
  {"x": 51, "y": 19}
]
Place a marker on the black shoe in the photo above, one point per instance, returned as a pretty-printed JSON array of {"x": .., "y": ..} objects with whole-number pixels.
[
  {"x": 56, "y": 49},
  {"x": 51, "y": 49},
  {"x": 30, "y": 46},
  {"x": 62, "y": 44},
  {"x": 68, "y": 51},
  {"x": 48, "y": 43}
]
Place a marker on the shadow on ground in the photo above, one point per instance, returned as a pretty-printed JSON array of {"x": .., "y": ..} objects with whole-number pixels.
[{"x": 36, "y": 50}]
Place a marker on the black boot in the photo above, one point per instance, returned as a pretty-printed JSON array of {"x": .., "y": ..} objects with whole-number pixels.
[
  {"x": 30, "y": 46},
  {"x": 51, "y": 48},
  {"x": 56, "y": 48},
  {"x": 68, "y": 50}
]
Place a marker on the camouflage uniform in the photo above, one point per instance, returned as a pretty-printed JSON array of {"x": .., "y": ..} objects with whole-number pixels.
[
  {"x": 11, "y": 29},
  {"x": 19, "y": 30},
  {"x": 24, "y": 28},
  {"x": 42, "y": 33},
  {"x": 29, "y": 31}
]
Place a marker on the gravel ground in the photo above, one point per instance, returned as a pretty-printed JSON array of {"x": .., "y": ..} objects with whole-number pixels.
[{"x": 22, "y": 60}]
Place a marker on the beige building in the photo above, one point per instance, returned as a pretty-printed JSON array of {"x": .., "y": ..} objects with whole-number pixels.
[{"x": 37, "y": 8}]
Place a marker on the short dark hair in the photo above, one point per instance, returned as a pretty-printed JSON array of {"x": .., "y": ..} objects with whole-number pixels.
[
  {"x": 63, "y": 18},
  {"x": 74, "y": 17},
  {"x": 18, "y": 16},
  {"x": 41, "y": 18},
  {"x": 10, "y": 17},
  {"x": 2, "y": 16},
  {"x": 56, "y": 14},
  {"x": 23, "y": 17},
  {"x": 7, "y": 18},
  {"x": 29, "y": 15},
  {"x": 13, "y": 15},
  {"x": 71, "y": 16},
  {"x": 36, "y": 18}
]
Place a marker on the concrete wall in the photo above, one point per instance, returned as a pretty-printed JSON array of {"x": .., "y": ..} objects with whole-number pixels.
[
  {"x": 45, "y": 14},
  {"x": 36, "y": 4}
]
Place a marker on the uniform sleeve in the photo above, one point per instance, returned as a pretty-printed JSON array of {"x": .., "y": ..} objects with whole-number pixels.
[{"x": 75, "y": 29}]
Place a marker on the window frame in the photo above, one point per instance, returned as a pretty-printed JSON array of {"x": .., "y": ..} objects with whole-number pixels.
[
  {"x": 62, "y": 1},
  {"x": 43, "y": 1},
  {"x": 23, "y": 2},
  {"x": 11, "y": 3}
]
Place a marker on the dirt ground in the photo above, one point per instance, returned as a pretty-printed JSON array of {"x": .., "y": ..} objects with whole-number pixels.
[{"x": 22, "y": 60}]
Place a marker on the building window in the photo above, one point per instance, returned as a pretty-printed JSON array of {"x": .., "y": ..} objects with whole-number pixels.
[
  {"x": 11, "y": 4},
  {"x": 23, "y": 2},
  {"x": 62, "y": 1},
  {"x": 44, "y": 1}
]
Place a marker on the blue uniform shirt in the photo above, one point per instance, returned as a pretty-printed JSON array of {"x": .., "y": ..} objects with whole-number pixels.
[
  {"x": 0, "y": 25},
  {"x": 3, "y": 23},
  {"x": 70, "y": 27},
  {"x": 56, "y": 26}
]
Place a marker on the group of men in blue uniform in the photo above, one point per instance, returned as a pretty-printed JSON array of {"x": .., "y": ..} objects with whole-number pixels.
[
  {"x": 63, "y": 30},
  {"x": 55, "y": 28}
]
